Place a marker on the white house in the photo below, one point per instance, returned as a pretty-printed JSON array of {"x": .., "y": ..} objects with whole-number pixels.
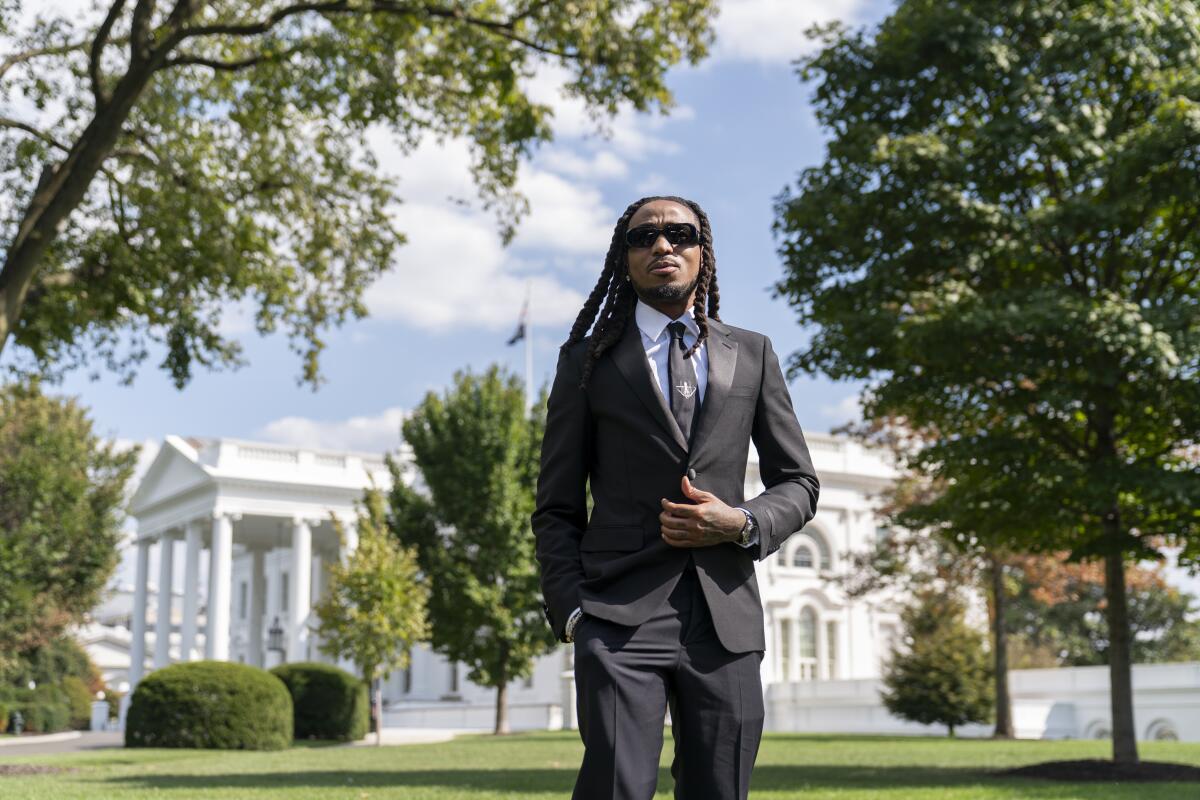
[{"x": 250, "y": 524}]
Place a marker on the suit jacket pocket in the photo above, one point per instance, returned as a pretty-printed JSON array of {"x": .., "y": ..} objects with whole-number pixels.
[{"x": 601, "y": 539}]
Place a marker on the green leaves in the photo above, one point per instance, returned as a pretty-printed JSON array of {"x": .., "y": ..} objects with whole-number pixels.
[
  {"x": 375, "y": 609},
  {"x": 62, "y": 496},
  {"x": 243, "y": 171},
  {"x": 477, "y": 455},
  {"x": 940, "y": 675},
  {"x": 1000, "y": 244}
]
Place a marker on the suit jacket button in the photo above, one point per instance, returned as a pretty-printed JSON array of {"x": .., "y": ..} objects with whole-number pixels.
[{"x": 691, "y": 473}]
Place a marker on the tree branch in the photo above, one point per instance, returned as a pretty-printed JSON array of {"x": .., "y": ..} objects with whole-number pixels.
[
  {"x": 506, "y": 29},
  {"x": 139, "y": 28},
  {"x": 19, "y": 58},
  {"x": 8, "y": 122},
  {"x": 98, "y": 45}
]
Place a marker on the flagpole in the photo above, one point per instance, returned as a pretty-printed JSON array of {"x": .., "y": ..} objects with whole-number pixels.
[{"x": 528, "y": 347}]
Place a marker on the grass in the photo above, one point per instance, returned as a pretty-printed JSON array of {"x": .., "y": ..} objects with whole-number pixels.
[{"x": 542, "y": 765}]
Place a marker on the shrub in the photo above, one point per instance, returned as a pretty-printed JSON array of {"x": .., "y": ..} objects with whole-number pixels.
[
  {"x": 79, "y": 701},
  {"x": 329, "y": 703},
  {"x": 215, "y": 705},
  {"x": 44, "y": 709}
]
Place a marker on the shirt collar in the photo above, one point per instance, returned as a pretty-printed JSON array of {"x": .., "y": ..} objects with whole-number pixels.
[{"x": 653, "y": 322}]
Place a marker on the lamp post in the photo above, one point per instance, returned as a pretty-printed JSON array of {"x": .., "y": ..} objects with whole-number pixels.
[{"x": 275, "y": 643}]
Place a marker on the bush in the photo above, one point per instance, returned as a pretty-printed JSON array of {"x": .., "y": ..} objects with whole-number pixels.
[
  {"x": 329, "y": 703},
  {"x": 44, "y": 709},
  {"x": 79, "y": 701},
  {"x": 210, "y": 704}
]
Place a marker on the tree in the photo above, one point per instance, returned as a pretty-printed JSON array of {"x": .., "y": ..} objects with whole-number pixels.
[
  {"x": 477, "y": 453},
  {"x": 1001, "y": 242},
  {"x": 181, "y": 156},
  {"x": 943, "y": 559},
  {"x": 940, "y": 675},
  {"x": 1057, "y": 614},
  {"x": 62, "y": 499},
  {"x": 375, "y": 608}
]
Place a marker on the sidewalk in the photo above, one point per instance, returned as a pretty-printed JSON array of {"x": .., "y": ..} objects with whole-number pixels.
[
  {"x": 395, "y": 736},
  {"x": 66, "y": 742}
]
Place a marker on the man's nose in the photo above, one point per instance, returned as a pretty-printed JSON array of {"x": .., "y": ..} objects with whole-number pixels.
[{"x": 662, "y": 246}]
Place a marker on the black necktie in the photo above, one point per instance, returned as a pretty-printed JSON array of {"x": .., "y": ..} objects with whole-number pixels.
[{"x": 681, "y": 380}]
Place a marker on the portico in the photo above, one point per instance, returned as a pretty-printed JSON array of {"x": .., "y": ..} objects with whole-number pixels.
[{"x": 256, "y": 526}]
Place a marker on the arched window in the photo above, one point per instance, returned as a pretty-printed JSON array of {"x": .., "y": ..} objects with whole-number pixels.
[
  {"x": 810, "y": 550},
  {"x": 808, "y": 644}
]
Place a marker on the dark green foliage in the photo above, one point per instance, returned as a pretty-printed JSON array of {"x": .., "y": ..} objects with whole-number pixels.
[
  {"x": 46, "y": 709},
  {"x": 1001, "y": 243},
  {"x": 328, "y": 702},
  {"x": 79, "y": 702},
  {"x": 62, "y": 491},
  {"x": 941, "y": 674},
  {"x": 210, "y": 704},
  {"x": 259, "y": 181},
  {"x": 478, "y": 453}
]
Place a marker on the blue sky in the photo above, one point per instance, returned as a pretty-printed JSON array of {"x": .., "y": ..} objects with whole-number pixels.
[{"x": 741, "y": 130}]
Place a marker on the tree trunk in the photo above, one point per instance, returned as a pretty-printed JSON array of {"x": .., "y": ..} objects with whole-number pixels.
[
  {"x": 60, "y": 192},
  {"x": 950, "y": 729},
  {"x": 1124, "y": 737},
  {"x": 1004, "y": 726},
  {"x": 378, "y": 712},
  {"x": 502, "y": 693}
]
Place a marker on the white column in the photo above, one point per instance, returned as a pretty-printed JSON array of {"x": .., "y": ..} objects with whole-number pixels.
[
  {"x": 191, "y": 591},
  {"x": 258, "y": 580},
  {"x": 220, "y": 587},
  {"x": 301, "y": 595},
  {"x": 162, "y": 623},
  {"x": 137, "y": 645}
]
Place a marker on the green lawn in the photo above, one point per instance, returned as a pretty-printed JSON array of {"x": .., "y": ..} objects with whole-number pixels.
[{"x": 543, "y": 765}]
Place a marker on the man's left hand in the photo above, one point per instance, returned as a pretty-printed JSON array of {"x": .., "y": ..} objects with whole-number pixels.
[{"x": 704, "y": 522}]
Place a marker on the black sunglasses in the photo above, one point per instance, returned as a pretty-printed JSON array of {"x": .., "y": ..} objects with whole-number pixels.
[{"x": 676, "y": 233}]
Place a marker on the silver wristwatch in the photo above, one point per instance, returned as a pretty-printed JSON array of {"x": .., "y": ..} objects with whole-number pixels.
[{"x": 747, "y": 532}]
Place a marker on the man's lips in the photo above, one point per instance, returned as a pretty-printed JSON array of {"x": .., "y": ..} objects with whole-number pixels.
[{"x": 663, "y": 268}]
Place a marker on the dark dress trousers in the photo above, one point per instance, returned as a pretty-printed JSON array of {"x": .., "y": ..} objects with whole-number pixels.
[{"x": 662, "y": 624}]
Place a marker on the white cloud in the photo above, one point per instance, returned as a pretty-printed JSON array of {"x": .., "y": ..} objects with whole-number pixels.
[
  {"x": 601, "y": 165},
  {"x": 378, "y": 433},
  {"x": 848, "y": 408},
  {"x": 773, "y": 30}
]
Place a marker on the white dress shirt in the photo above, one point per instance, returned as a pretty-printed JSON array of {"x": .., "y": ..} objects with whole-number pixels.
[{"x": 656, "y": 340}]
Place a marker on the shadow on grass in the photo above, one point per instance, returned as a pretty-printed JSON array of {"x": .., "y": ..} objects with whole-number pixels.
[{"x": 558, "y": 782}]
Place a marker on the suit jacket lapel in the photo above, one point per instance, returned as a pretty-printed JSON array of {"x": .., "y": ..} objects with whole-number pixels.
[
  {"x": 630, "y": 358},
  {"x": 722, "y": 358}
]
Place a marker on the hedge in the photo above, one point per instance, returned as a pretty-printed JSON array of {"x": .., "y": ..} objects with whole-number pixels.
[
  {"x": 329, "y": 703},
  {"x": 44, "y": 709},
  {"x": 215, "y": 705}
]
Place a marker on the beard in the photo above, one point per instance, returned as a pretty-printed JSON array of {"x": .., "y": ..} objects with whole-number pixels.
[{"x": 669, "y": 293}]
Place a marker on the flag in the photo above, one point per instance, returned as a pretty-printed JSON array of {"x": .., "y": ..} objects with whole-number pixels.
[{"x": 520, "y": 333}]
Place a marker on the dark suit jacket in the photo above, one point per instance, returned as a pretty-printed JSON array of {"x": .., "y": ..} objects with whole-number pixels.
[{"x": 620, "y": 434}]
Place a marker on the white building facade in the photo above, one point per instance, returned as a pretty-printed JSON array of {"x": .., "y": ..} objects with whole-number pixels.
[{"x": 235, "y": 538}]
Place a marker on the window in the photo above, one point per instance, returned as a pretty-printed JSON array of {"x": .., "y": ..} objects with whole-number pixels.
[
  {"x": 831, "y": 648},
  {"x": 283, "y": 592},
  {"x": 242, "y": 590},
  {"x": 785, "y": 649},
  {"x": 811, "y": 549},
  {"x": 808, "y": 644}
]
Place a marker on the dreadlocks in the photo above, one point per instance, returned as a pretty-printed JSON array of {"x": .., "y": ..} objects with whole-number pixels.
[{"x": 619, "y": 297}]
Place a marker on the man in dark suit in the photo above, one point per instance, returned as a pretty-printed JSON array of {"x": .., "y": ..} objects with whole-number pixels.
[{"x": 654, "y": 412}]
